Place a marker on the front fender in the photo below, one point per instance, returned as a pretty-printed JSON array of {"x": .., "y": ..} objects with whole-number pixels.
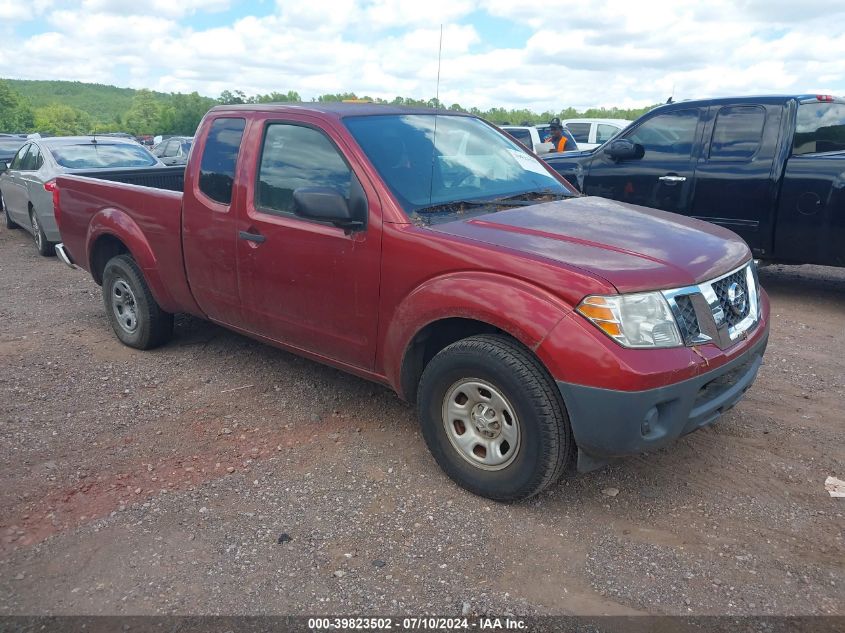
[
  {"x": 522, "y": 310},
  {"x": 117, "y": 223}
]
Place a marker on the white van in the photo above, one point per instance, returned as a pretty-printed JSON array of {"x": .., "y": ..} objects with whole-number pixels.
[{"x": 590, "y": 133}]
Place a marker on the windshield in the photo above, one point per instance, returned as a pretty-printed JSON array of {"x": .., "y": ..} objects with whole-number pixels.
[
  {"x": 467, "y": 160},
  {"x": 820, "y": 128},
  {"x": 102, "y": 156}
]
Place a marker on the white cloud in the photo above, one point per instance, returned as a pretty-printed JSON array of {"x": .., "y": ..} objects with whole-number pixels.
[
  {"x": 580, "y": 54},
  {"x": 164, "y": 8}
]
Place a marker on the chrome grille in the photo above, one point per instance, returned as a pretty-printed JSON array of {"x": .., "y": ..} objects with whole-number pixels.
[
  {"x": 732, "y": 293},
  {"x": 732, "y": 300},
  {"x": 687, "y": 320}
]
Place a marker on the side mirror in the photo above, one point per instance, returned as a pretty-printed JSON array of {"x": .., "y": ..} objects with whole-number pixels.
[
  {"x": 623, "y": 149},
  {"x": 325, "y": 205}
]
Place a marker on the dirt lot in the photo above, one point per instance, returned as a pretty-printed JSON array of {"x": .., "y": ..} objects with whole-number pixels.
[{"x": 161, "y": 482}]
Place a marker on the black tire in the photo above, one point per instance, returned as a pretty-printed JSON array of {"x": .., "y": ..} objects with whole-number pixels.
[
  {"x": 133, "y": 303},
  {"x": 45, "y": 247},
  {"x": 545, "y": 447},
  {"x": 10, "y": 223}
]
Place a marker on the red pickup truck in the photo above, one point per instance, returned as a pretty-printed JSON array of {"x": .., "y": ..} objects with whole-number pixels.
[{"x": 534, "y": 328}]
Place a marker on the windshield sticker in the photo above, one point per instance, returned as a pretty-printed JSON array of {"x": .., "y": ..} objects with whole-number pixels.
[{"x": 527, "y": 162}]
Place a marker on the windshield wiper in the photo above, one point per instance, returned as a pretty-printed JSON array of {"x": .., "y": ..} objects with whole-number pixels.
[
  {"x": 457, "y": 205},
  {"x": 536, "y": 195}
]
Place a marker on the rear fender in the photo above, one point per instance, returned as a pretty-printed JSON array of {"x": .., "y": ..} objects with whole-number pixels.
[
  {"x": 117, "y": 223},
  {"x": 516, "y": 307}
]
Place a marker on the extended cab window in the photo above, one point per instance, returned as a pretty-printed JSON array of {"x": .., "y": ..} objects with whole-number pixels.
[
  {"x": 219, "y": 159},
  {"x": 667, "y": 136},
  {"x": 737, "y": 133},
  {"x": 820, "y": 128},
  {"x": 295, "y": 156}
]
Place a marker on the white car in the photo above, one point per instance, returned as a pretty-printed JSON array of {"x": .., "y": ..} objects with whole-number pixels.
[
  {"x": 530, "y": 137},
  {"x": 590, "y": 133}
]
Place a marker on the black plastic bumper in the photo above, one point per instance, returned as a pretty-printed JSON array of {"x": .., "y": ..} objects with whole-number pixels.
[{"x": 608, "y": 423}]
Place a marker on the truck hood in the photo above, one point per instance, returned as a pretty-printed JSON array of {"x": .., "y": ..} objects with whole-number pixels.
[{"x": 634, "y": 248}]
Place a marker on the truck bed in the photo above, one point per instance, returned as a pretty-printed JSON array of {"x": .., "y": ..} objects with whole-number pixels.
[{"x": 148, "y": 216}]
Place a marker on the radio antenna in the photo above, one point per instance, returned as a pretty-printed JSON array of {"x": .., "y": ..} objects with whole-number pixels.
[
  {"x": 437, "y": 105},
  {"x": 439, "y": 57}
]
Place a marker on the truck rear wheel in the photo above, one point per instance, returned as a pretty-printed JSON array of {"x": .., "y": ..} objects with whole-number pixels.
[
  {"x": 493, "y": 418},
  {"x": 135, "y": 317}
]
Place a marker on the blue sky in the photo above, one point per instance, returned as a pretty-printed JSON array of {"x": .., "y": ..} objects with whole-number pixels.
[{"x": 539, "y": 54}]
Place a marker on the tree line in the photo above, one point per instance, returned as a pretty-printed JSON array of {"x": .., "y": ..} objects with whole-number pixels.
[{"x": 68, "y": 108}]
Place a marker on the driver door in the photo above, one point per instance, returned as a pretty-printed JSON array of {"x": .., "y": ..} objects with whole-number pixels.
[
  {"x": 306, "y": 283},
  {"x": 663, "y": 177}
]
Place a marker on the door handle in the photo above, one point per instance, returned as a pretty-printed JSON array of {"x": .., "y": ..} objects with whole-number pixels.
[
  {"x": 672, "y": 178},
  {"x": 251, "y": 237}
]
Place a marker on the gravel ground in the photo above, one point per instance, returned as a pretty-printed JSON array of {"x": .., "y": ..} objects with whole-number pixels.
[{"x": 220, "y": 476}]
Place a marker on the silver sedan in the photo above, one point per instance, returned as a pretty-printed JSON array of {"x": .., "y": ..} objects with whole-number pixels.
[{"x": 27, "y": 183}]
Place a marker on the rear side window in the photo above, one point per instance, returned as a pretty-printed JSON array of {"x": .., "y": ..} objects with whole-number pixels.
[
  {"x": 295, "y": 156},
  {"x": 820, "y": 128},
  {"x": 737, "y": 133},
  {"x": 581, "y": 131},
  {"x": 604, "y": 132},
  {"x": 17, "y": 161},
  {"x": 32, "y": 160},
  {"x": 219, "y": 159}
]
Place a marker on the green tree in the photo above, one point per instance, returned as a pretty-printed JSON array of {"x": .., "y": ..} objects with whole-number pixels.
[
  {"x": 182, "y": 113},
  {"x": 144, "y": 114},
  {"x": 278, "y": 97},
  {"x": 59, "y": 119},
  {"x": 15, "y": 114},
  {"x": 228, "y": 97}
]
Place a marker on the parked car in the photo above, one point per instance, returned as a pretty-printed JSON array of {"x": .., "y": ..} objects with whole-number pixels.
[
  {"x": 590, "y": 133},
  {"x": 26, "y": 187},
  {"x": 175, "y": 150},
  {"x": 529, "y": 137},
  {"x": 9, "y": 146},
  {"x": 531, "y": 326},
  {"x": 770, "y": 168}
]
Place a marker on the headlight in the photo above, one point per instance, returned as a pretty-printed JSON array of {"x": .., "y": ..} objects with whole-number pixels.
[{"x": 635, "y": 320}]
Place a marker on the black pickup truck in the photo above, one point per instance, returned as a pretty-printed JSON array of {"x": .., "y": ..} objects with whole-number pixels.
[{"x": 770, "y": 168}]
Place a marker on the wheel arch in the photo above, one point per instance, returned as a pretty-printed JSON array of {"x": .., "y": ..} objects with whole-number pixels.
[
  {"x": 112, "y": 232},
  {"x": 442, "y": 311}
]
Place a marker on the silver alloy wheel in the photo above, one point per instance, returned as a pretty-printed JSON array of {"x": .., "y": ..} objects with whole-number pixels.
[
  {"x": 124, "y": 307},
  {"x": 481, "y": 424},
  {"x": 36, "y": 229}
]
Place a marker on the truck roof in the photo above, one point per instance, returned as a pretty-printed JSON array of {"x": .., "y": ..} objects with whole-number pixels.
[
  {"x": 753, "y": 99},
  {"x": 335, "y": 109}
]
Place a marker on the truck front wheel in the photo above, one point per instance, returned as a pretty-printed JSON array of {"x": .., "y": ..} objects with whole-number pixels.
[
  {"x": 135, "y": 317},
  {"x": 493, "y": 418}
]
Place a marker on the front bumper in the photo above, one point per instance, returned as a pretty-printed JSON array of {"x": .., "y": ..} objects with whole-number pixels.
[{"x": 609, "y": 423}]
